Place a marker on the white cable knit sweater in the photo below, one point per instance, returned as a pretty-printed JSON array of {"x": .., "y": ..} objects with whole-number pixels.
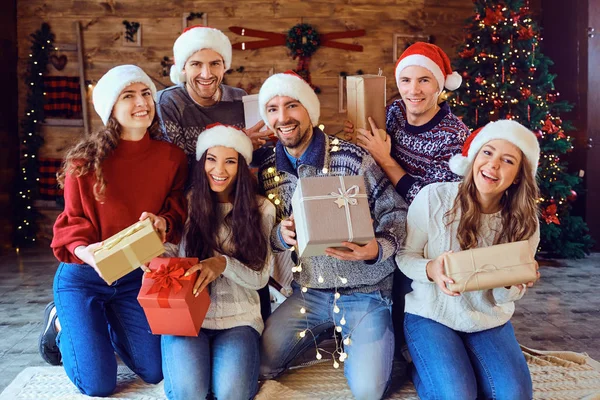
[
  {"x": 427, "y": 238},
  {"x": 234, "y": 298}
]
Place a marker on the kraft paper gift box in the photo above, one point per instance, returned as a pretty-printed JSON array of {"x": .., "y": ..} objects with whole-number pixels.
[
  {"x": 366, "y": 98},
  {"x": 127, "y": 250},
  {"x": 251, "y": 112},
  {"x": 491, "y": 267},
  {"x": 167, "y": 299},
  {"x": 252, "y": 116},
  {"x": 330, "y": 210}
]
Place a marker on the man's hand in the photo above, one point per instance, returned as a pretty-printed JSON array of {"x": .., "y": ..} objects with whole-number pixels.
[
  {"x": 348, "y": 131},
  {"x": 287, "y": 228},
  {"x": 372, "y": 142},
  {"x": 369, "y": 251},
  {"x": 210, "y": 269},
  {"x": 258, "y": 137}
]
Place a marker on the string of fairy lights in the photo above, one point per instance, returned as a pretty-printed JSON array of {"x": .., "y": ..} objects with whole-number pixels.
[
  {"x": 338, "y": 355},
  {"x": 28, "y": 185}
]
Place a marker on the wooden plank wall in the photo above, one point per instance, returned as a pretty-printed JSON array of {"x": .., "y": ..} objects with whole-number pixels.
[{"x": 161, "y": 23}]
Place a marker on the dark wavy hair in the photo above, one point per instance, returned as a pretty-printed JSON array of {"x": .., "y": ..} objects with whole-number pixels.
[
  {"x": 243, "y": 222},
  {"x": 89, "y": 152}
]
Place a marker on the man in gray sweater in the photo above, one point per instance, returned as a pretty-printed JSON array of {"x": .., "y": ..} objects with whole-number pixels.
[
  {"x": 202, "y": 56},
  {"x": 349, "y": 290}
]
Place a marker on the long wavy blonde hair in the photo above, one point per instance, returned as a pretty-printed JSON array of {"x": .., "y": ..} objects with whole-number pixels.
[
  {"x": 519, "y": 211},
  {"x": 89, "y": 153}
]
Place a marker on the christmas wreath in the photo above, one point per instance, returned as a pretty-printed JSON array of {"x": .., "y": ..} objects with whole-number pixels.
[{"x": 303, "y": 40}]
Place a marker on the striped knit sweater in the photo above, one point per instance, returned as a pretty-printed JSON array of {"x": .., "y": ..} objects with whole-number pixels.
[
  {"x": 424, "y": 151},
  {"x": 388, "y": 211}
]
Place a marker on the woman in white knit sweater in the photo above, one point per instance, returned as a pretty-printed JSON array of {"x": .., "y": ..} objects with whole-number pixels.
[
  {"x": 228, "y": 229},
  {"x": 463, "y": 345}
]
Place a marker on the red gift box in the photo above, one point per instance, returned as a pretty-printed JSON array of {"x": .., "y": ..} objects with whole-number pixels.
[{"x": 167, "y": 299}]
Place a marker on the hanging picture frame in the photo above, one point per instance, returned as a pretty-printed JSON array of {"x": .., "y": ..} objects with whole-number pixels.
[
  {"x": 132, "y": 34},
  {"x": 188, "y": 17},
  {"x": 403, "y": 40}
]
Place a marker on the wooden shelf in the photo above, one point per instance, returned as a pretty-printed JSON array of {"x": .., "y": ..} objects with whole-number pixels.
[{"x": 63, "y": 122}]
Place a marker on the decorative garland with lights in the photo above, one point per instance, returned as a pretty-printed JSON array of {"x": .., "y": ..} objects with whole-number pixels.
[
  {"x": 337, "y": 310},
  {"x": 25, "y": 222}
]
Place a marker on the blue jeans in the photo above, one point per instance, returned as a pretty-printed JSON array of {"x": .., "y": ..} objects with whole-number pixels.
[
  {"x": 368, "y": 324},
  {"x": 98, "y": 320},
  {"x": 457, "y": 365},
  {"x": 222, "y": 362}
]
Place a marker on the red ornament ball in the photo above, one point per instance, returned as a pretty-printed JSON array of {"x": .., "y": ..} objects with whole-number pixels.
[{"x": 573, "y": 196}]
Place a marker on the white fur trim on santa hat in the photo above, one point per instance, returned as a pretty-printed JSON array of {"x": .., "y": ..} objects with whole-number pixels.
[
  {"x": 505, "y": 129},
  {"x": 290, "y": 85},
  {"x": 195, "y": 39},
  {"x": 450, "y": 82},
  {"x": 421, "y": 61},
  {"x": 227, "y": 136},
  {"x": 109, "y": 87}
]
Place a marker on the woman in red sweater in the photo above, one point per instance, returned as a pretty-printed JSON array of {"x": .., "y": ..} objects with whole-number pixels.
[{"x": 111, "y": 178}]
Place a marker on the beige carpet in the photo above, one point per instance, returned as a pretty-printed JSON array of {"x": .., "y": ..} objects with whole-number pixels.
[{"x": 556, "y": 375}]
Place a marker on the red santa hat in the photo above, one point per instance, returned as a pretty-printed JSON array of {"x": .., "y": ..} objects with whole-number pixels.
[
  {"x": 226, "y": 136},
  {"x": 432, "y": 58},
  {"x": 291, "y": 85},
  {"x": 505, "y": 129},
  {"x": 193, "y": 39}
]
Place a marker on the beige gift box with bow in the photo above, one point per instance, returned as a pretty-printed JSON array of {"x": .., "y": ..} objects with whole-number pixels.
[
  {"x": 127, "y": 250},
  {"x": 329, "y": 210},
  {"x": 490, "y": 267}
]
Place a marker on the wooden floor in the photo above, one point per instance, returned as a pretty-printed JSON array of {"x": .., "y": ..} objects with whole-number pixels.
[{"x": 562, "y": 312}]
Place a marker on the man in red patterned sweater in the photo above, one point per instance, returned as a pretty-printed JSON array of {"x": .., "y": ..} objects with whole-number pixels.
[{"x": 424, "y": 134}]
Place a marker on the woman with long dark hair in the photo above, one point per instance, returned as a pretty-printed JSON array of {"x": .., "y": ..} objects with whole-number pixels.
[
  {"x": 111, "y": 179},
  {"x": 462, "y": 344},
  {"x": 228, "y": 229}
]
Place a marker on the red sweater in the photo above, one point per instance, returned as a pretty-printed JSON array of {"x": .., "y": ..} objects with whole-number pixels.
[{"x": 147, "y": 175}]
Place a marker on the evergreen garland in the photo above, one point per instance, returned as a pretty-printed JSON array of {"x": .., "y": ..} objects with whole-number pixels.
[{"x": 27, "y": 187}]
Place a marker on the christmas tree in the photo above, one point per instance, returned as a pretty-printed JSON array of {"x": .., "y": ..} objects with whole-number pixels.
[{"x": 506, "y": 76}]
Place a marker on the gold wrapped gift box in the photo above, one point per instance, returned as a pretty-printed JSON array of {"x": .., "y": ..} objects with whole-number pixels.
[
  {"x": 127, "y": 250},
  {"x": 491, "y": 267}
]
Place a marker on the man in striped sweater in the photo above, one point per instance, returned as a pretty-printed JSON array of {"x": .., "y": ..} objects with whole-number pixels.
[{"x": 346, "y": 289}]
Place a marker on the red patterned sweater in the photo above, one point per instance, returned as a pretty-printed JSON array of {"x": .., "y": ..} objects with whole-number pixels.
[{"x": 424, "y": 151}]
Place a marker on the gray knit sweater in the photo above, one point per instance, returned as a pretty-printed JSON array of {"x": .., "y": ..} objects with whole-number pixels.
[
  {"x": 182, "y": 120},
  {"x": 388, "y": 211}
]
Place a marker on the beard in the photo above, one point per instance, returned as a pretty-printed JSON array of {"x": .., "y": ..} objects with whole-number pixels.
[{"x": 294, "y": 141}]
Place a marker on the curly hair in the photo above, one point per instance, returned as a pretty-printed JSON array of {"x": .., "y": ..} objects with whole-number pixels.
[
  {"x": 243, "y": 222},
  {"x": 89, "y": 153},
  {"x": 519, "y": 211}
]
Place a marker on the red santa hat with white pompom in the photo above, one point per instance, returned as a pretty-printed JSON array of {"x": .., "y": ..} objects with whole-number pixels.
[{"x": 432, "y": 58}]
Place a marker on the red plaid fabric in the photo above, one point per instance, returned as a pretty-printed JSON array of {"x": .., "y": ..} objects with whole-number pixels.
[
  {"x": 63, "y": 97},
  {"x": 48, "y": 185}
]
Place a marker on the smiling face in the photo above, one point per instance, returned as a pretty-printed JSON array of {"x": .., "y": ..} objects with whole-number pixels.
[
  {"x": 495, "y": 168},
  {"x": 419, "y": 90},
  {"x": 204, "y": 72},
  {"x": 291, "y": 123},
  {"x": 221, "y": 169},
  {"x": 134, "y": 110}
]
